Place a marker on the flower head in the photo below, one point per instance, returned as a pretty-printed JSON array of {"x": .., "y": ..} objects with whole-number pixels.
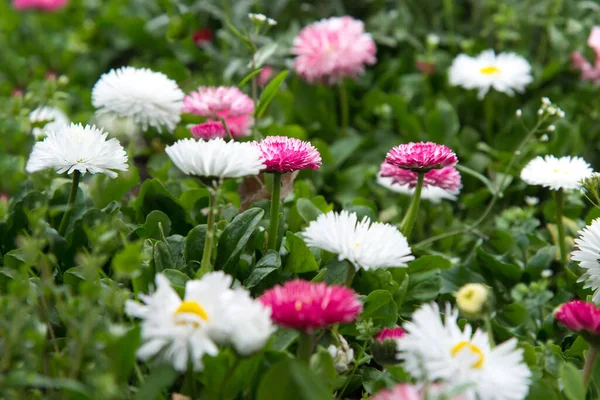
[
  {"x": 45, "y": 5},
  {"x": 307, "y": 306},
  {"x": 332, "y": 49},
  {"x": 405, "y": 391},
  {"x": 284, "y": 154},
  {"x": 149, "y": 98},
  {"x": 472, "y": 299},
  {"x": 389, "y": 333},
  {"x": 588, "y": 248},
  {"x": 556, "y": 173},
  {"x": 208, "y": 130},
  {"x": 229, "y": 103},
  {"x": 366, "y": 244},
  {"x": 342, "y": 354},
  {"x": 202, "y": 37},
  {"x": 54, "y": 117},
  {"x": 431, "y": 193},
  {"x": 435, "y": 350},
  {"x": 77, "y": 148},
  {"x": 179, "y": 330},
  {"x": 505, "y": 72},
  {"x": 580, "y": 316},
  {"x": 594, "y": 39},
  {"x": 265, "y": 75},
  {"x": 446, "y": 180},
  {"x": 215, "y": 158},
  {"x": 422, "y": 156},
  {"x": 384, "y": 345}
]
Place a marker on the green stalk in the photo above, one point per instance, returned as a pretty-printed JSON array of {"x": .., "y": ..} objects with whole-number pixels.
[
  {"x": 304, "y": 350},
  {"x": 344, "y": 108},
  {"x": 487, "y": 321},
  {"x": 70, "y": 204},
  {"x": 489, "y": 118},
  {"x": 226, "y": 128},
  {"x": 560, "y": 202},
  {"x": 350, "y": 274},
  {"x": 590, "y": 360},
  {"x": 409, "y": 219},
  {"x": 274, "y": 215},
  {"x": 206, "y": 266}
]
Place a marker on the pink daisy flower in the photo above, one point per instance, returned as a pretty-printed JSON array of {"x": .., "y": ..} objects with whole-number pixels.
[
  {"x": 229, "y": 103},
  {"x": 45, "y": 5},
  {"x": 208, "y": 130},
  {"x": 332, "y": 49},
  {"x": 284, "y": 154},
  {"x": 447, "y": 178},
  {"x": 307, "y": 306},
  {"x": 421, "y": 156},
  {"x": 389, "y": 333},
  {"x": 202, "y": 37},
  {"x": 405, "y": 391},
  {"x": 265, "y": 75},
  {"x": 579, "y": 316}
]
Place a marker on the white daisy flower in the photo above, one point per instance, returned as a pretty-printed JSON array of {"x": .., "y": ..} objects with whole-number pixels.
[
  {"x": 588, "y": 254},
  {"x": 556, "y": 173},
  {"x": 124, "y": 128},
  {"x": 77, "y": 148},
  {"x": 440, "y": 351},
  {"x": 180, "y": 331},
  {"x": 216, "y": 158},
  {"x": 505, "y": 72},
  {"x": 366, "y": 244},
  {"x": 432, "y": 193},
  {"x": 54, "y": 116},
  {"x": 150, "y": 98}
]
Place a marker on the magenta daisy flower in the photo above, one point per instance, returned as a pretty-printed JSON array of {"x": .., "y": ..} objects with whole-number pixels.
[
  {"x": 229, "y": 103},
  {"x": 580, "y": 316},
  {"x": 447, "y": 178},
  {"x": 421, "y": 157},
  {"x": 384, "y": 346},
  {"x": 307, "y": 306},
  {"x": 284, "y": 154},
  {"x": 406, "y": 391},
  {"x": 389, "y": 333},
  {"x": 208, "y": 130},
  {"x": 332, "y": 49},
  {"x": 45, "y": 5}
]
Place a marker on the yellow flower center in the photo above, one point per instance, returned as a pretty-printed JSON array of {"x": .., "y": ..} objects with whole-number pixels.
[
  {"x": 298, "y": 305},
  {"x": 192, "y": 307},
  {"x": 356, "y": 245},
  {"x": 473, "y": 349},
  {"x": 489, "y": 70}
]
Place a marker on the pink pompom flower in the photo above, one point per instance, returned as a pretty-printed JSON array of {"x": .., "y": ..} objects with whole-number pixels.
[
  {"x": 45, "y": 5},
  {"x": 580, "y": 316},
  {"x": 594, "y": 39},
  {"x": 447, "y": 178},
  {"x": 405, "y": 391},
  {"x": 284, "y": 154},
  {"x": 229, "y": 103},
  {"x": 265, "y": 75},
  {"x": 332, "y": 49},
  {"x": 422, "y": 156},
  {"x": 389, "y": 333},
  {"x": 208, "y": 130},
  {"x": 307, "y": 306}
]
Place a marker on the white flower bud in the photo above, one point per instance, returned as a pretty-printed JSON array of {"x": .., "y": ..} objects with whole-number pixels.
[
  {"x": 544, "y": 137},
  {"x": 519, "y": 113},
  {"x": 271, "y": 22},
  {"x": 546, "y": 101},
  {"x": 472, "y": 299},
  {"x": 540, "y": 111},
  {"x": 551, "y": 128}
]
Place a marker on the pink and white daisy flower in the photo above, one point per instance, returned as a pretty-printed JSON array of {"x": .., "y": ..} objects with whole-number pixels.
[
  {"x": 208, "y": 130},
  {"x": 45, "y": 5},
  {"x": 447, "y": 178},
  {"x": 284, "y": 154},
  {"x": 389, "y": 333},
  {"x": 332, "y": 49},
  {"x": 229, "y": 103},
  {"x": 405, "y": 391},
  {"x": 307, "y": 306},
  {"x": 422, "y": 156},
  {"x": 579, "y": 316}
]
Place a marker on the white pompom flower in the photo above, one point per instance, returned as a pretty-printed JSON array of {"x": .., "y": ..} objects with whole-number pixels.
[
  {"x": 365, "y": 244},
  {"x": 556, "y": 173},
  {"x": 149, "y": 98},
  {"x": 505, "y": 72},
  {"x": 216, "y": 158},
  {"x": 54, "y": 118},
  {"x": 439, "y": 350},
  {"x": 588, "y": 254},
  {"x": 77, "y": 148}
]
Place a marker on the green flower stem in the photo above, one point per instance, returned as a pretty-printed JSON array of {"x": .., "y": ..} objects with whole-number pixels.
[
  {"x": 350, "y": 274},
  {"x": 210, "y": 232},
  {"x": 487, "y": 321},
  {"x": 411, "y": 215},
  {"x": 274, "y": 215},
  {"x": 226, "y": 128},
  {"x": 344, "y": 108},
  {"x": 590, "y": 360},
  {"x": 70, "y": 204},
  {"x": 560, "y": 202},
  {"x": 489, "y": 118},
  {"x": 304, "y": 350}
]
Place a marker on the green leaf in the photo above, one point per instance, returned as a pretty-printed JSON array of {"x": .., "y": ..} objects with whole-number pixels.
[
  {"x": 160, "y": 378},
  {"x": 162, "y": 257},
  {"x": 428, "y": 263},
  {"x": 270, "y": 262},
  {"x": 234, "y": 238},
  {"x": 343, "y": 149},
  {"x": 22, "y": 379},
  {"x": 155, "y": 222},
  {"x": 322, "y": 365},
  {"x": 381, "y": 308},
  {"x": 509, "y": 273},
  {"x": 194, "y": 243},
  {"x": 269, "y": 93},
  {"x": 128, "y": 260},
  {"x": 248, "y": 77},
  {"x": 124, "y": 357},
  {"x": 154, "y": 196},
  {"x": 423, "y": 286},
  {"x": 237, "y": 33},
  {"x": 300, "y": 259},
  {"x": 177, "y": 279},
  {"x": 307, "y": 210},
  {"x": 572, "y": 383},
  {"x": 291, "y": 380}
]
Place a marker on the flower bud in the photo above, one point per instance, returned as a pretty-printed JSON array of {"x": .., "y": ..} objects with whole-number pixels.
[
  {"x": 384, "y": 348},
  {"x": 473, "y": 300}
]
